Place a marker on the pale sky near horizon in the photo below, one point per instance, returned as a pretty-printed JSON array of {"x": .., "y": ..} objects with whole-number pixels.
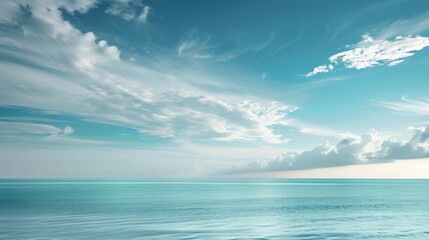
[
  {"x": 399, "y": 169},
  {"x": 135, "y": 88}
]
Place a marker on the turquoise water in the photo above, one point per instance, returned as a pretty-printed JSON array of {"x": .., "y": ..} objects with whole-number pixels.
[{"x": 214, "y": 209}]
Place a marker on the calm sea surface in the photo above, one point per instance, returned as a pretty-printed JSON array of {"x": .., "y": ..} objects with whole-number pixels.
[{"x": 214, "y": 209}]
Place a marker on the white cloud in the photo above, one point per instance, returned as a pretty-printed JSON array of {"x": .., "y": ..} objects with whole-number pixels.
[
  {"x": 416, "y": 25},
  {"x": 394, "y": 63},
  {"x": 129, "y": 10},
  {"x": 67, "y": 130},
  {"x": 318, "y": 132},
  {"x": 416, "y": 147},
  {"x": 60, "y": 69},
  {"x": 372, "y": 52},
  {"x": 184, "y": 45},
  {"x": 351, "y": 150},
  {"x": 10, "y": 9},
  {"x": 122, "y": 10},
  {"x": 196, "y": 45},
  {"x": 144, "y": 14},
  {"x": 409, "y": 106},
  {"x": 21, "y": 132},
  {"x": 33, "y": 128},
  {"x": 311, "y": 129},
  {"x": 47, "y": 33},
  {"x": 320, "y": 69},
  {"x": 185, "y": 114}
]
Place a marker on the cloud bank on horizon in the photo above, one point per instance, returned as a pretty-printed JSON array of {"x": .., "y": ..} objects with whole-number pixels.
[
  {"x": 350, "y": 150},
  {"x": 147, "y": 76}
]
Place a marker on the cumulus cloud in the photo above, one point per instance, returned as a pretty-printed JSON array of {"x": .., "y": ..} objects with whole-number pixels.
[
  {"x": 129, "y": 10},
  {"x": 416, "y": 147},
  {"x": 408, "y": 106},
  {"x": 371, "y": 52},
  {"x": 47, "y": 33},
  {"x": 350, "y": 150}
]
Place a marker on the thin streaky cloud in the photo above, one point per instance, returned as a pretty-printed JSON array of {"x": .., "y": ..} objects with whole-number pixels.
[
  {"x": 417, "y": 106},
  {"x": 412, "y": 26},
  {"x": 33, "y": 128}
]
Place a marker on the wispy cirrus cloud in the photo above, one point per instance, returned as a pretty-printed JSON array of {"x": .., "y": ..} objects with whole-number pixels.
[
  {"x": 185, "y": 114},
  {"x": 416, "y": 25},
  {"x": 419, "y": 106},
  {"x": 25, "y": 132},
  {"x": 34, "y": 128},
  {"x": 86, "y": 77},
  {"x": 197, "y": 45}
]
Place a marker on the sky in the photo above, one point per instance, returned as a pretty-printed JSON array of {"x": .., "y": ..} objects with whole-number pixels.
[{"x": 226, "y": 88}]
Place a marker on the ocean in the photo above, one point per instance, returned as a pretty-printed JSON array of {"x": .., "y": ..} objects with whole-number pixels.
[{"x": 214, "y": 209}]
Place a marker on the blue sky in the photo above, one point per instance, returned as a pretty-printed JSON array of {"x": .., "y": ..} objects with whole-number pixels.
[{"x": 211, "y": 88}]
